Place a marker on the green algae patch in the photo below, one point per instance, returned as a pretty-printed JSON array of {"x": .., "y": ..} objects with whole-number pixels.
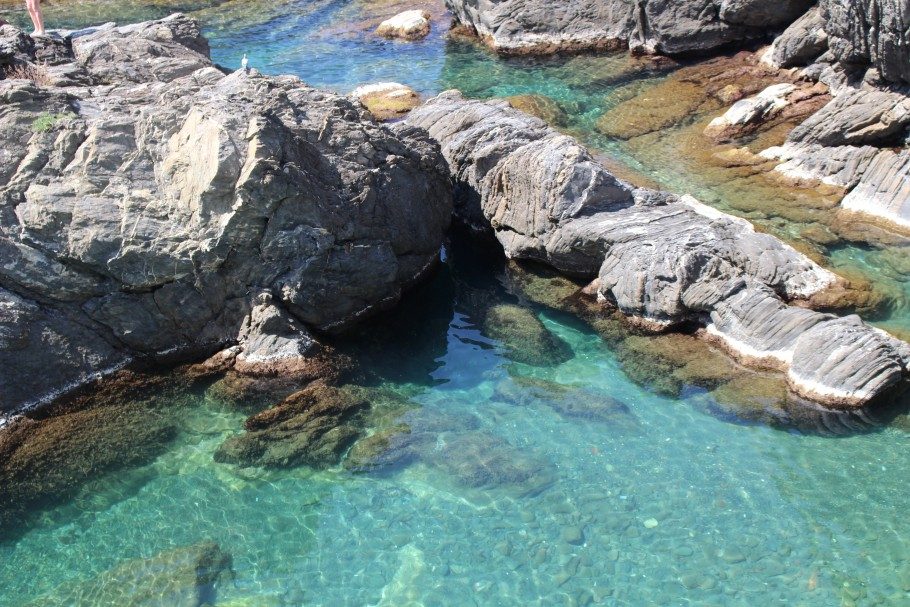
[
  {"x": 540, "y": 106},
  {"x": 524, "y": 336},
  {"x": 46, "y": 122},
  {"x": 52, "y": 457}
]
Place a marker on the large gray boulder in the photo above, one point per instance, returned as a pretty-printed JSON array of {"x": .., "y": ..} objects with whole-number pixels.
[
  {"x": 870, "y": 33},
  {"x": 884, "y": 189},
  {"x": 861, "y": 116},
  {"x": 142, "y": 215},
  {"x": 661, "y": 258},
  {"x": 662, "y": 26},
  {"x": 801, "y": 43}
]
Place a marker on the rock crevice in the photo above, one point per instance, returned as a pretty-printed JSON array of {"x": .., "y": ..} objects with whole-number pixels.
[{"x": 664, "y": 260}]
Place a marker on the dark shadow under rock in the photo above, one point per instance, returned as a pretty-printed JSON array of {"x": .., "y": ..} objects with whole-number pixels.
[
  {"x": 524, "y": 336},
  {"x": 183, "y": 577},
  {"x": 482, "y": 461}
]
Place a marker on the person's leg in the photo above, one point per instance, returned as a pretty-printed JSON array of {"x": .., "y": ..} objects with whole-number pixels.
[{"x": 34, "y": 11}]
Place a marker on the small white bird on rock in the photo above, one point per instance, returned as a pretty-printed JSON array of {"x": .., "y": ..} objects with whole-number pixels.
[{"x": 244, "y": 63}]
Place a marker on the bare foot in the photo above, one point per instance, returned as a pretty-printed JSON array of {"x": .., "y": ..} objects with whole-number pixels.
[{"x": 39, "y": 33}]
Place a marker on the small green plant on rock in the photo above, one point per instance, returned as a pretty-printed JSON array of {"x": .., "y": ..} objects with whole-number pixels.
[{"x": 46, "y": 122}]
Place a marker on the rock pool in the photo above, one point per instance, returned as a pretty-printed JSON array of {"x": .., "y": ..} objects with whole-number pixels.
[{"x": 536, "y": 477}]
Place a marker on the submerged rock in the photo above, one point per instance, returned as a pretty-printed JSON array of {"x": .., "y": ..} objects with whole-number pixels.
[
  {"x": 703, "y": 87},
  {"x": 183, "y": 577},
  {"x": 312, "y": 427},
  {"x": 47, "y": 460},
  {"x": 524, "y": 336},
  {"x": 146, "y": 211},
  {"x": 482, "y": 461},
  {"x": 662, "y": 259},
  {"x": 387, "y": 100},
  {"x": 569, "y": 400},
  {"x": 409, "y": 25},
  {"x": 541, "y": 107}
]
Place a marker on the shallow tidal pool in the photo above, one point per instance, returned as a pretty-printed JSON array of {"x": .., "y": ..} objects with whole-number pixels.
[
  {"x": 545, "y": 501},
  {"x": 539, "y": 498}
]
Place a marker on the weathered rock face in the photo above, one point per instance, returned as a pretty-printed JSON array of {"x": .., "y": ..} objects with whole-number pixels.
[
  {"x": 523, "y": 26},
  {"x": 663, "y": 26},
  {"x": 802, "y": 42},
  {"x": 870, "y": 33},
  {"x": 660, "y": 258},
  {"x": 850, "y": 143},
  {"x": 142, "y": 214}
]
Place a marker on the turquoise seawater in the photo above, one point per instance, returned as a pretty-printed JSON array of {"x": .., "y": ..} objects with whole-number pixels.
[
  {"x": 664, "y": 502},
  {"x": 660, "y": 503}
]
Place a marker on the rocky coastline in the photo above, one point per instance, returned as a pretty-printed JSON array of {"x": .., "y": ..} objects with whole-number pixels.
[
  {"x": 661, "y": 259},
  {"x": 159, "y": 209},
  {"x": 856, "y": 50}
]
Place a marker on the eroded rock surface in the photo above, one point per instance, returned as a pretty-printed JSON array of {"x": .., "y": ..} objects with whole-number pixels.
[
  {"x": 662, "y": 26},
  {"x": 662, "y": 259},
  {"x": 143, "y": 214}
]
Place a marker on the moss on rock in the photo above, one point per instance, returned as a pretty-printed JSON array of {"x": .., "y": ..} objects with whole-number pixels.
[{"x": 524, "y": 336}]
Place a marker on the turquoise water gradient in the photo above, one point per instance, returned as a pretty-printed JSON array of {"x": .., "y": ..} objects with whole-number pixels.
[
  {"x": 745, "y": 515},
  {"x": 663, "y": 504}
]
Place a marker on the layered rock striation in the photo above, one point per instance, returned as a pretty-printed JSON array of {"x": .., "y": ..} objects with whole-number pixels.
[
  {"x": 152, "y": 205},
  {"x": 858, "y": 48},
  {"x": 662, "y": 259},
  {"x": 661, "y": 26}
]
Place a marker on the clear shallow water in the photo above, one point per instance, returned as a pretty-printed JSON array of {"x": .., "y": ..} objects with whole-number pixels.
[
  {"x": 746, "y": 514},
  {"x": 659, "y": 504}
]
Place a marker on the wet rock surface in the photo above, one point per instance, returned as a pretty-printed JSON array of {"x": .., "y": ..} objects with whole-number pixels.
[
  {"x": 141, "y": 215},
  {"x": 662, "y": 259}
]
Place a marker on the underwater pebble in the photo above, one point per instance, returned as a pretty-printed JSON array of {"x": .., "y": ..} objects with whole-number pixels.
[
  {"x": 683, "y": 552},
  {"x": 651, "y": 523},
  {"x": 572, "y": 535}
]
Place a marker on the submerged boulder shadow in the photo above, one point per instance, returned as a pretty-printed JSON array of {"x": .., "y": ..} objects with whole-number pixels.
[
  {"x": 405, "y": 438},
  {"x": 482, "y": 461},
  {"x": 524, "y": 337},
  {"x": 49, "y": 457},
  {"x": 183, "y": 577},
  {"x": 570, "y": 401},
  {"x": 453, "y": 447}
]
